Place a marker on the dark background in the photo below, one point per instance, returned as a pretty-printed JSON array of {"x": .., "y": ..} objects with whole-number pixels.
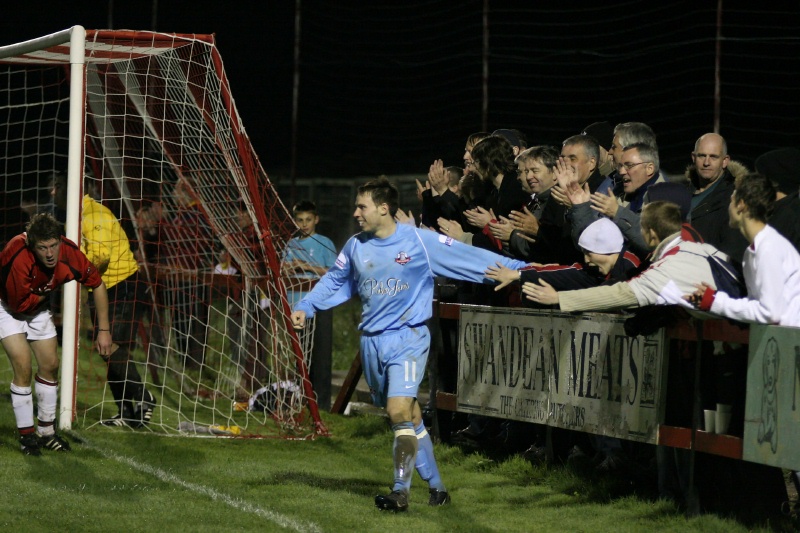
[{"x": 390, "y": 86}]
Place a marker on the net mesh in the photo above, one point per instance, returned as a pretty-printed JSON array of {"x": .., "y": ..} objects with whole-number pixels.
[{"x": 167, "y": 154}]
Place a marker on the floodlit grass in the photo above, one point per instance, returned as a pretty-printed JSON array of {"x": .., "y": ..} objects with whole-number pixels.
[
  {"x": 124, "y": 481},
  {"x": 345, "y": 334},
  {"x": 121, "y": 480}
]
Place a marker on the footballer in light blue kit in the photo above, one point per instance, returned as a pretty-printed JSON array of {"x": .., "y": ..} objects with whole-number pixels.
[{"x": 392, "y": 268}]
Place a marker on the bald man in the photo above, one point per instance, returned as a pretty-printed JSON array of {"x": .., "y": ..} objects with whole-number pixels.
[{"x": 712, "y": 174}]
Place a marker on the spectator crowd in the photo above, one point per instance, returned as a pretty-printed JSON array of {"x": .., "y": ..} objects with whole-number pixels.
[{"x": 602, "y": 227}]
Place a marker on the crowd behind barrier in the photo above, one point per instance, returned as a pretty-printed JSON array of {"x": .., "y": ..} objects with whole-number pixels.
[{"x": 602, "y": 228}]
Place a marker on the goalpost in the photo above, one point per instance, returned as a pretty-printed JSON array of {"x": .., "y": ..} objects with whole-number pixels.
[{"x": 146, "y": 124}]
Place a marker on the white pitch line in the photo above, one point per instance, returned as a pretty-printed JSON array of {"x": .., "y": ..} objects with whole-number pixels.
[{"x": 236, "y": 503}]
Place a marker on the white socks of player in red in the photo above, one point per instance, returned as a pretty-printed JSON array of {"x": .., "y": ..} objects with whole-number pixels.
[
  {"x": 46, "y": 400},
  {"x": 22, "y": 402}
]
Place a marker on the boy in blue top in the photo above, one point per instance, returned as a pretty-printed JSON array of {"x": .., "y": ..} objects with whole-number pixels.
[
  {"x": 391, "y": 266},
  {"x": 308, "y": 256}
]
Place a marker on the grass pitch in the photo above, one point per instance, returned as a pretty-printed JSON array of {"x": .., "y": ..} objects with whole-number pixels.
[
  {"x": 116, "y": 479},
  {"x": 124, "y": 481}
]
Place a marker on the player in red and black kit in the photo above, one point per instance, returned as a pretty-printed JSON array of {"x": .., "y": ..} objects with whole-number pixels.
[{"x": 32, "y": 264}]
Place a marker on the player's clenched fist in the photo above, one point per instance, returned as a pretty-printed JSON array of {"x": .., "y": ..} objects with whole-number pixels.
[{"x": 299, "y": 319}]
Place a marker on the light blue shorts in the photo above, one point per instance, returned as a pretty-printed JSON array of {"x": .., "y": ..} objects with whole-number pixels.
[{"x": 394, "y": 362}]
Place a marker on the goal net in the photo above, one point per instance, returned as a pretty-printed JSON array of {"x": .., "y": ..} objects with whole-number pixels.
[{"x": 152, "y": 133}]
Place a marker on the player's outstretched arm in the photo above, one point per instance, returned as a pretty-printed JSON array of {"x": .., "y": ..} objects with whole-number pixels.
[{"x": 457, "y": 260}]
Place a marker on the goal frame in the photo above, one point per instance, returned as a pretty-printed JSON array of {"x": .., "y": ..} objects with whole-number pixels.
[{"x": 50, "y": 49}]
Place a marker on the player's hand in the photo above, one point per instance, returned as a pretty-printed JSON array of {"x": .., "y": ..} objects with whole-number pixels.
[
  {"x": 42, "y": 291},
  {"x": 299, "y": 319},
  {"x": 104, "y": 342},
  {"x": 541, "y": 292},
  {"x": 605, "y": 203},
  {"x": 503, "y": 274}
]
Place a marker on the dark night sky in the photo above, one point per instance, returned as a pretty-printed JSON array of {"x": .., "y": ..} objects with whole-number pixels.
[
  {"x": 387, "y": 87},
  {"x": 255, "y": 39}
]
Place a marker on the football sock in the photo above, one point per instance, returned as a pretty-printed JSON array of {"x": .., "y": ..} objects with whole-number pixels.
[
  {"x": 426, "y": 462},
  {"x": 404, "y": 453},
  {"x": 22, "y": 402},
  {"x": 46, "y": 398}
]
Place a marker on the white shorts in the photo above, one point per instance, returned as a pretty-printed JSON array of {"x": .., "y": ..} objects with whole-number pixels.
[{"x": 35, "y": 327}]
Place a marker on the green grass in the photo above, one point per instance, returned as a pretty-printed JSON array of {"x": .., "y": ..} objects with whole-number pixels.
[
  {"x": 121, "y": 480},
  {"x": 345, "y": 335},
  {"x": 124, "y": 481}
]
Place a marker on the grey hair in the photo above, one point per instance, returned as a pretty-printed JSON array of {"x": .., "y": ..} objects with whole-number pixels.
[{"x": 635, "y": 132}]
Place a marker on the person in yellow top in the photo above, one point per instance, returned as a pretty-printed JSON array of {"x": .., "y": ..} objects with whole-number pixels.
[{"x": 106, "y": 245}]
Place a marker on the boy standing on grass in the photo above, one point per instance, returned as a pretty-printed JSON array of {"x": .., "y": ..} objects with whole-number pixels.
[
  {"x": 32, "y": 265},
  {"x": 391, "y": 266},
  {"x": 308, "y": 256}
]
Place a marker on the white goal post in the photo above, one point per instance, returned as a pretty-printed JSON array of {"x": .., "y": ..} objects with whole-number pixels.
[{"x": 145, "y": 124}]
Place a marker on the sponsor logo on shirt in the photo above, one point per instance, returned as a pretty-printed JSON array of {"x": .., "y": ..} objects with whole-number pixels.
[
  {"x": 341, "y": 261},
  {"x": 402, "y": 258},
  {"x": 390, "y": 287},
  {"x": 447, "y": 241}
]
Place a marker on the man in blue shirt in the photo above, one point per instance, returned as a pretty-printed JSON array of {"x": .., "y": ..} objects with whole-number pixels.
[{"x": 391, "y": 266}]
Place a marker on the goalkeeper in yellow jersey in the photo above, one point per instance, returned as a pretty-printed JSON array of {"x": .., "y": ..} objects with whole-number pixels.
[{"x": 106, "y": 245}]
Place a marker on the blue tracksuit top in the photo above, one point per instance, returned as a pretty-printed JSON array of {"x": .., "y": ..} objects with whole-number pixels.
[{"x": 394, "y": 276}]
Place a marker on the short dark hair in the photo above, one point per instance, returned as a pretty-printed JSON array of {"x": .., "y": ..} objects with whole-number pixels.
[
  {"x": 382, "y": 191},
  {"x": 757, "y": 193},
  {"x": 454, "y": 174},
  {"x": 304, "y": 206},
  {"x": 43, "y": 227},
  {"x": 662, "y": 217}
]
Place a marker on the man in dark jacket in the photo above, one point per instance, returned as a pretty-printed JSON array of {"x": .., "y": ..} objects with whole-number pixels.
[
  {"x": 712, "y": 181},
  {"x": 782, "y": 168}
]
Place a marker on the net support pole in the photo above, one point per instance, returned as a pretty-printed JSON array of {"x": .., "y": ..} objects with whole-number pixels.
[{"x": 71, "y": 302}]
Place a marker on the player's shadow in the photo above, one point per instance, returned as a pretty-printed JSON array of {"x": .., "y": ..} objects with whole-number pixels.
[{"x": 360, "y": 486}]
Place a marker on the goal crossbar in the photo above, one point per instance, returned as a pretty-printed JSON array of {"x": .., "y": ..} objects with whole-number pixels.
[{"x": 152, "y": 118}]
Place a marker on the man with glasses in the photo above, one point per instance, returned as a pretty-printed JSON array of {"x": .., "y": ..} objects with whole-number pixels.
[{"x": 638, "y": 170}]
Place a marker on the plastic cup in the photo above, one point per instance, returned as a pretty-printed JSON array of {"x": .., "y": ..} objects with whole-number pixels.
[
  {"x": 710, "y": 420},
  {"x": 723, "y": 419}
]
